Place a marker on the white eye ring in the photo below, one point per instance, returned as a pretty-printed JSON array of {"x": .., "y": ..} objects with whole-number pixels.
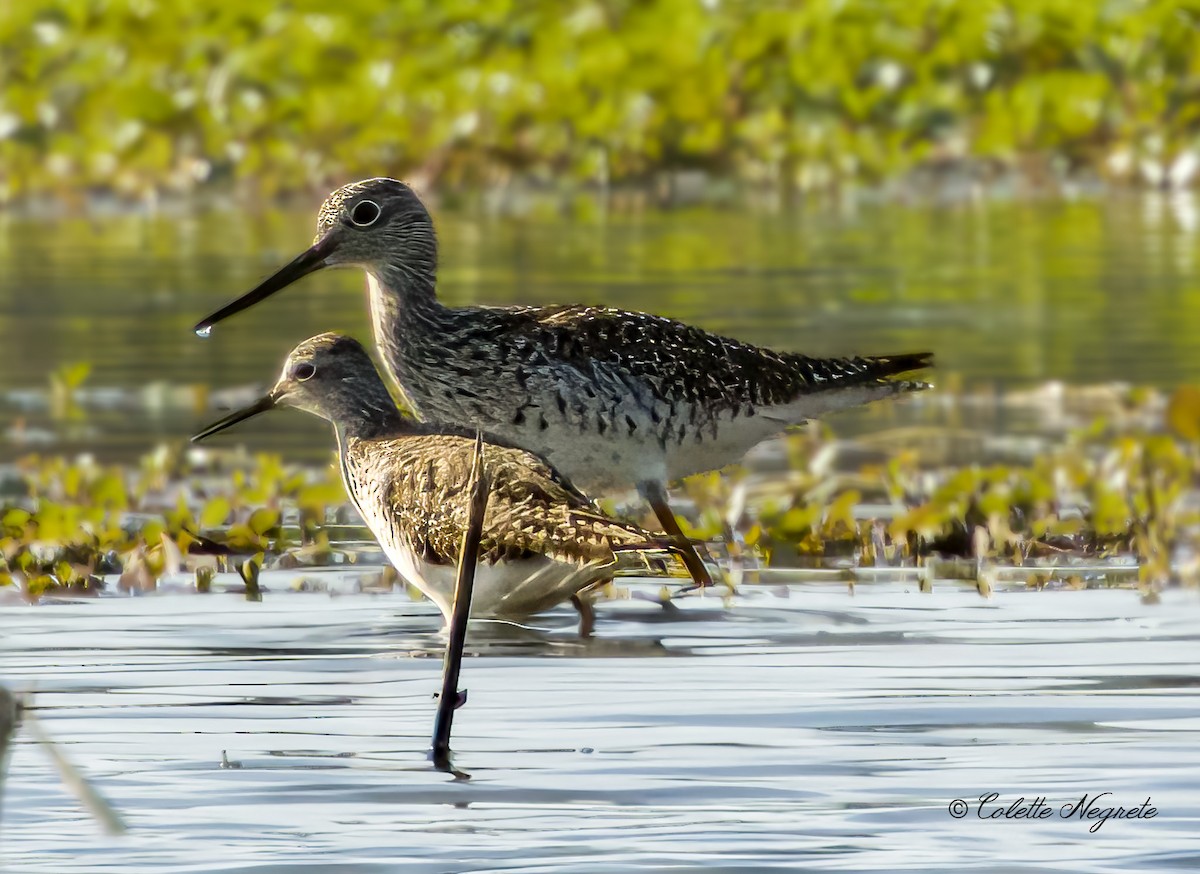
[
  {"x": 304, "y": 371},
  {"x": 365, "y": 213}
]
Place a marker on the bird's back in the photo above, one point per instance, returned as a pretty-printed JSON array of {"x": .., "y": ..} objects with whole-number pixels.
[
  {"x": 414, "y": 487},
  {"x": 612, "y": 397}
]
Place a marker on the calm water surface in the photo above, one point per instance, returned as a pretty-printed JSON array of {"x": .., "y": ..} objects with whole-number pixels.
[
  {"x": 1003, "y": 291},
  {"x": 820, "y": 731}
]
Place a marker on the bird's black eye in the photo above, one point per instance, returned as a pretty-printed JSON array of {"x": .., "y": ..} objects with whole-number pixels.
[
  {"x": 303, "y": 371},
  {"x": 365, "y": 213}
]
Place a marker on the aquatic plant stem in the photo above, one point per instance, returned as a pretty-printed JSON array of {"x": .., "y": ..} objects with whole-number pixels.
[{"x": 451, "y": 698}]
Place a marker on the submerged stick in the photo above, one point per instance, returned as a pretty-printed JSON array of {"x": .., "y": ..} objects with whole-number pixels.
[
  {"x": 89, "y": 797},
  {"x": 8, "y": 725},
  {"x": 451, "y": 698}
]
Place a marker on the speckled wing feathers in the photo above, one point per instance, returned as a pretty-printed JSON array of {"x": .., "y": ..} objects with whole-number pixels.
[
  {"x": 418, "y": 489},
  {"x": 681, "y": 375},
  {"x": 684, "y": 362}
]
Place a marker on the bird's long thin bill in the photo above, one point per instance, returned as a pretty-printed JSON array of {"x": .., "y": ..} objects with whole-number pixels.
[
  {"x": 259, "y": 406},
  {"x": 303, "y": 264}
]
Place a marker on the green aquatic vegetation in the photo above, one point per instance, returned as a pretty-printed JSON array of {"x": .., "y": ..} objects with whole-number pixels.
[
  {"x": 77, "y": 521},
  {"x": 248, "y": 571},
  {"x": 1103, "y": 505},
  {"x": 1099, "y": 495},
  {"x": 142, "y": 98},
  {"x": 64, "y": 382},
  {"x": 204, "y": 578}
]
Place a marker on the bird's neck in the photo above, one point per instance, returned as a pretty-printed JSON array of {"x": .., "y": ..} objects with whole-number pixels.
[
  {"x": 349, "y": 481},
  {"x": 367, "y": 411},
  {"x": 374, "y": 428},
  {"x": 411, "y": 326},
  {"x": 404, "y": 295}
]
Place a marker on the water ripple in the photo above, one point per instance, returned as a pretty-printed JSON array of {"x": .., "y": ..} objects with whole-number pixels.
[{"x": 821, "y": 730}]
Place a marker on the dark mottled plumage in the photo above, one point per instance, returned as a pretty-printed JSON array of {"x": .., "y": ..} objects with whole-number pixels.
[
  {"x": 409, "y": 481},
  {"x": 610, "y": 398},
  {"x": 618, "y": 372}
]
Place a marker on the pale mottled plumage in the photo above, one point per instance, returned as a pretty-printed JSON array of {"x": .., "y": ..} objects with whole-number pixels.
[
  {"x": 543, "y": 540},
  {"x": 530, "y": 508}
]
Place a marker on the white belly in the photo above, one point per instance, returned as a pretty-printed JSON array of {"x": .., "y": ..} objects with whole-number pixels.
[
  {"x": 600, "y": 463},
  {"x": 512, "y": 589},
  {"x": 603, "y": 463}
]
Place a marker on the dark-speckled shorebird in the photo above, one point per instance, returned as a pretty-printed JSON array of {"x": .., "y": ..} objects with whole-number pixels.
[
  {"x": 543, "y": 541},
  {"x": 608, "y": 397}
]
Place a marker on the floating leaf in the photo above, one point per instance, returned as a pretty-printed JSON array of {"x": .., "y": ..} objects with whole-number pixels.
[
  {"x": 841, "y": 513},
  {"x": 39, "y": 585},
  {"x": 15, "y": 518},
  {"x": 1183, "y": 412},
  {"x": 72, "y": 376},
  {"x": 798, "y": 520},
  {"x": 242, "y": 538},
  {"x": 152, "y": 531},
  {"x": 926, "y": 521},
  {"x": 215, "y": 512},
  {"x": 317, "y": 496},
  {"x": 248, "y": 571},
  {"x": 1110, "y": 512},
  {"x": 263, "y": 520}
]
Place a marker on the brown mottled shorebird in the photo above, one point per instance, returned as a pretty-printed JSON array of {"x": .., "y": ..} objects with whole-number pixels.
[
  {"x": 543, "y": 541},
  {"x": 608, "y": 397}
]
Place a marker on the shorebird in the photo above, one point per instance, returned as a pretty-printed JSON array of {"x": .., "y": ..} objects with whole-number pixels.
[
  {"x": 610, "y": 398},
  {"x": 543, "y": 540}
]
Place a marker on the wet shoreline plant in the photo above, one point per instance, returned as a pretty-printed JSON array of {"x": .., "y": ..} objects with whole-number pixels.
[{"x": 1110, "y": 495}]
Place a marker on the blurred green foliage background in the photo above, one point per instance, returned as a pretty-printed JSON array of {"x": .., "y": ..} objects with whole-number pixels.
[{"x": 143, "y": 96}]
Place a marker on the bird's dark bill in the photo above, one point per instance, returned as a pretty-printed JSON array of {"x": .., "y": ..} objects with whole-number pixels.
[
  {"x": 305, "y": 263},
  {"x": 259, "y": 406}
]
